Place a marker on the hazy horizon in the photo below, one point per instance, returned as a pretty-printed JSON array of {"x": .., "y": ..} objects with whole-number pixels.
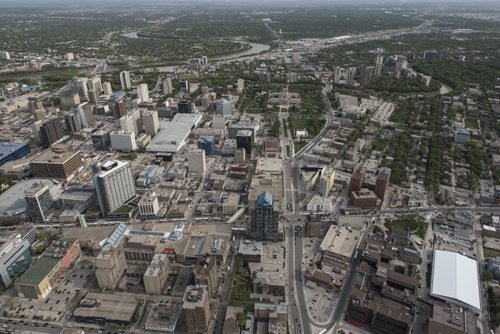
[{"x": 107, "y": 3}]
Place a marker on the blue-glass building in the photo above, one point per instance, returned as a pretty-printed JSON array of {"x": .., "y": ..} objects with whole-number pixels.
[
  {"x": 15, "y": 259},
  {"x": 207, "y": 143},
  {"x": 13, "y": 151},
  {"x": 264, "y": 219}
]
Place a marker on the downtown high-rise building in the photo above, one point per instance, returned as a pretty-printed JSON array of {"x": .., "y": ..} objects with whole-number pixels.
[
  {"x": 51, "y": 131},
  {"x": 95, "y": 84},
  {"x": 167, "y": 86},
  {"x": 125, "y": 80},
  {"x": 114, "y": 184},
  {"x": 117, "y": 104},
  {"x": 106, "y": 86},
  {"x": 79, "y": 86},
  {"x": 143, "y": 92},
  {"x": 39, "y": 203},
  {"x": 344, "y": 76},
  {"x": 196, "y": 306},
  {"x": 264, "y": 219},
  {"x": 151, "y": 122},
  {"x": 110, "y": 266},
  {"x": 379, "y": 64},
  {"x": 72, "y": 122},
  {"x": 382, "y": 182}
]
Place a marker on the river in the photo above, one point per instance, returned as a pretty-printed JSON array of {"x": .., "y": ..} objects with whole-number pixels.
[
  {"x": 255, "y": 48},
  {"x": 131, "y": 34}
]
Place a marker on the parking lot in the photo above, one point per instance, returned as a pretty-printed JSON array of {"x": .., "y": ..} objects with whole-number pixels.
[
  {"x": 53, "y": 308},
  {"x": 321, "y": 300},
  {"x": 383, "y": 110}
]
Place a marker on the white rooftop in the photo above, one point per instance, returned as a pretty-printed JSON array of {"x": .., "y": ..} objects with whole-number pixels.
[
  {"x": 455, "y": 278},
  {"x": 111, "y": 166},
  {"x": 172, "y": 137}
]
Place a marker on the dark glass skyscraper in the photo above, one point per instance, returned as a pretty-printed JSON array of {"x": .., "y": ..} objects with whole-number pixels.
[{"x": 264, "y": 219}]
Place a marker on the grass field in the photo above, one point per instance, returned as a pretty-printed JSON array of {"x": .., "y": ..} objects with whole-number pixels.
[
  {"x": 241, "y": 285},
  {"x": 409, "y": 223}
]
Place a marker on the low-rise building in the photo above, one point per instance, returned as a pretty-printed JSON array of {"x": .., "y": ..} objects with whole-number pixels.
[
  {"x": 275, "y": 315},
  {"x": 164, "y": 318},
  {"x": 230, "y": 203},
  {"x": 13, "y": 151},
  {"x": 364, "y": 198},
  {"x": 149, "y": 206},
  {"x": 41, "y": 277},
  {"x": 101, "y": 308},
  {"x": 251, "y": 250},
  {"x": 338, "y": 248},
  {"x": 149, "y": 175},
  {"x": 123, "y": 141},
  {"x": 320, "y": 204}
]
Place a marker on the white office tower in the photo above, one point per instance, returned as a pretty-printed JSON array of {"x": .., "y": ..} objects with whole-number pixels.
[
  {"x": 379, "y": 63},
  {"x": 106, "y": 86},
  {"x": 167, "y": 86},
  {"x": 125, "y": 80},
  {"x": 151, "y": 122},
  {"x": 70, "y": 56},
  {"x": 132, "y": 122},
  {"x": 123, "y": 141},
  {"x": 127, "y": 124},
  {"x": 136, "y": 115},
  {"x": 35, "y": 128},
  {"x": 204, "y": 61},
  {"x": 196, "y": 162},
  {"x": 95, "y": 84},
  {"x": 114, "y": 185},
  {"x": 143, "y": 92},
  {"x": 84, "y": 111}
]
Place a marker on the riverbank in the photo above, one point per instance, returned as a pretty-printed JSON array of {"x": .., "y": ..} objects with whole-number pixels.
[{"x": 253, "y": 49}]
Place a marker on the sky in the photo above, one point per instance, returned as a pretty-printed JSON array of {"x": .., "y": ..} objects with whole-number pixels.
[
  {"x": 173, "y": 2},
  {"x": 94, "y": 4}
]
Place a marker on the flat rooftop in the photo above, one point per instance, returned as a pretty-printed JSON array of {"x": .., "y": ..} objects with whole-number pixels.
[
  {"x": 85, "y": 234},
  {"x": 173, "y": 135},
  {"x": 269, "y": 165},
  {"x": 164, "y": 317},
  {"x": 449, "y": 318},
  {"x": 110, "y": 166},
  {"x": 76, "y": 195},
  {"x": 38, "y": 270},
  {"x": 340, "y": 241},
  {"x": 271, "y": 182},
  {"x": 7, "y": 148},
  {"x": 57, "y": 154},
  {"x": 195, "y": 297},
  {"x": 114, "y": 307},
  {"x": 251, "y": 248},
  {"x": 455, "y": 278}
]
